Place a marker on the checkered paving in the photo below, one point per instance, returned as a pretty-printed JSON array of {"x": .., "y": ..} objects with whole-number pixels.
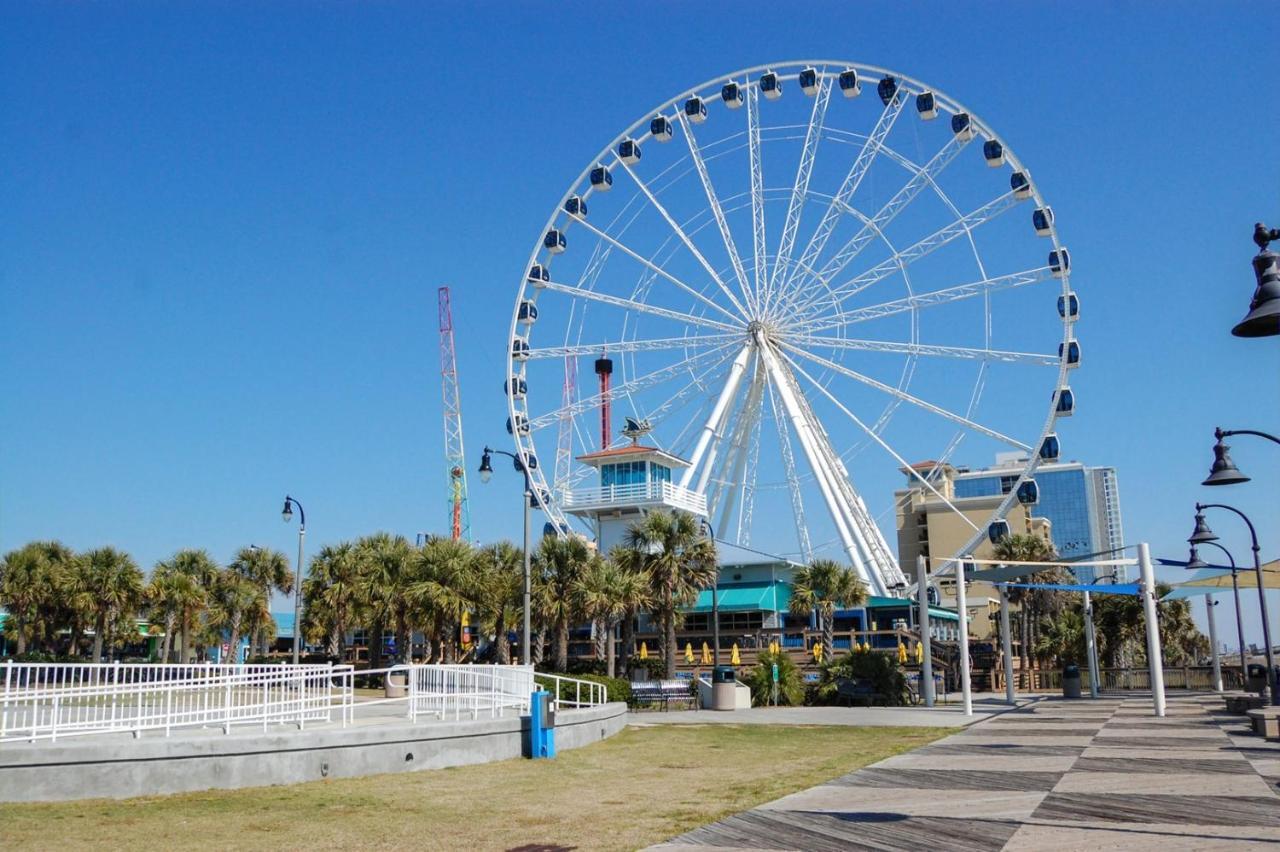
[{"x": 1055, "y": 775}]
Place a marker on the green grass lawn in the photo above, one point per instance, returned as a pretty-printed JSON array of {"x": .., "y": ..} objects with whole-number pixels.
[{"x": 640, "y": 787}]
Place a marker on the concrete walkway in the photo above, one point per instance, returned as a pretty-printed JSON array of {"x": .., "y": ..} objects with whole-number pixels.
[
  {"x": 1055, "y": 775},
  {"x": 947, "y": 715}
]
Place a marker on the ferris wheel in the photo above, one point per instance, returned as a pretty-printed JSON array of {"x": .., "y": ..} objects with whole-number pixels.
[{"x": 803, "y": 279}]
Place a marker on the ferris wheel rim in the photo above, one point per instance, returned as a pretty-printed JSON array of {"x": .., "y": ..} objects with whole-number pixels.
[{"x": 543, "y": 494}]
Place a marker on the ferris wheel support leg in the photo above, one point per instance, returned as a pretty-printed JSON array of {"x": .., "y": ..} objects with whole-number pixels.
[
  {"x": 717, "y": 414},
  {"x": 737, "y": 462},
  {"x": 804, "y": 431}
]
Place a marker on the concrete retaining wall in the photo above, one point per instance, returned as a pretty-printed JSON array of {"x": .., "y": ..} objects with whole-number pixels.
[{"x": 118, "y": 766}]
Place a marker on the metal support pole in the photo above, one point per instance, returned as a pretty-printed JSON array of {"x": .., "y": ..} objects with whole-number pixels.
[
  {"x": 1006, "y": 645},
  {"x": 1235, "y": 588},
  {"x": 527, "y": 648},
  {"x": 926, "y": 665},
  {"x": 1209, "y": 604},
  {"x": 1091, "y": 645},
  {"x": 297, "y": 599},
  {"x": 1154, "y": 660},
  {"x": 962, "y": 610}
]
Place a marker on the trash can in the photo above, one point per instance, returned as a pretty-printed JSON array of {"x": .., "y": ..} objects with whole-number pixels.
[
  {"x": 1255, "y": 678},
  {"x": 724, "y": 685},
  {"x": 1070, "y": 681},
  {"x": 396, "y": 684}
]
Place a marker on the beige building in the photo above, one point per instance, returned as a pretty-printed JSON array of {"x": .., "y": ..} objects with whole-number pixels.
[{"x": 928, "y": 527}]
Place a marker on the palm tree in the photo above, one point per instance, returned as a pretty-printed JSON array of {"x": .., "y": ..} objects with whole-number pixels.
[
  {"x": 1021, "y": 547},
  {"x": 116, "y": 582},
  {"x": 267, "y": 569},
  {"x": 234, "y": 601},
  {"x": 386, "y": 571},
  {"x": 331, "y": 593},
  {"x": 599, "y": 592},
  {"x": 633, "y": 592},
  {"x": 199, "y": 566},
  {"x": 442, "y": 589},
  {"x": 561, "y": 561},
  {"x": 500, "y": 585},
  {"x": 30, "y": 578},
  {"x": 821, "y": 586},
  {"x": 679, "y": 561},
  {"x": 1181, "y": 642},
  {"x": 168, "y": 595}
]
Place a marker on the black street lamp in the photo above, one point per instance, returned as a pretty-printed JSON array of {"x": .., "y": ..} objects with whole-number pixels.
[
  {"x": 1201, "y": 535},
  {"x": 1195, "y": 563},
  {"x": 287, "y": 515},
  {"x": 710, "y": 532},
  {"x": 1263, "y": 319},
  {"x": 486, "y": 473},
  {"x": 1224, "y": 470}
]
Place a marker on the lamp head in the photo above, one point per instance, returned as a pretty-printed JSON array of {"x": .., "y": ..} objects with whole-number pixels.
[
  {"x": 287, "y": 513},
  {"x": 1263, "y": 319},
  {"x": 1201, "y": 533},
  {"x": 486, "y": 466},
  {"x": 1224, "y": 470},
  {"x": 1194, "y": 562}
]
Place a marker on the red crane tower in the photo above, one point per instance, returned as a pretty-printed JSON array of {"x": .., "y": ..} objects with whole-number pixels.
[{"x": 454, "y": 455}]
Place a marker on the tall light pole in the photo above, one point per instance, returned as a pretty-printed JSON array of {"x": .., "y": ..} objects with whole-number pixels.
[
  {"x": 486, "y": 473},
  {"x": 710, "y": 532},
  {"x": 287, "y": 515},
  {"x": 1224, "y": 470},
  {"x": 1195, "y": 563},
  {"x": 1203, "y": 534}
]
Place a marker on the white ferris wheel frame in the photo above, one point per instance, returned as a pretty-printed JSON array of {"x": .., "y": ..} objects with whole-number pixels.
[{"x": 781, "y": 362}]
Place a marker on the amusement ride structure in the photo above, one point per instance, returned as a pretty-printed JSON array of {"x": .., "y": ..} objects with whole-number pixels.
[{"x": 801, "y": 278}]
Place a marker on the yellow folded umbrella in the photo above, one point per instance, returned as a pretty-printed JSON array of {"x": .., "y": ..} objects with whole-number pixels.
[
  {"x": 688, "y": 652},
  {"x": 919, "y": 652},
  {"x": 773, "y": 647},
  {"x": 644, "y": 651},
  {"x": 902, "y": 652},
  {"x": 817, "y": 652},
  {"x": 706, "y": 654},
  {"x": 734, "y": 658}
]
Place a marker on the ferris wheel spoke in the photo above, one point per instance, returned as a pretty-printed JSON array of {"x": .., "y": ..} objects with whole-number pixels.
[
  {"x": 632, "y": 305},
  {"x": 716, "y": 355},
  {"x": 800, "y": 189},
  {"x": 793, "y": 481},
  {"x": 906, "y": 397},
  {"x": 922, "y": 178},
  {"x": 840, "y": 203},
  {"x": 905, "y": 465},
  {"x": 939, "y": 238},
  {"x": 717, "y": 212},
  {"x": 684, "y": 238},
  {"x": 938, "y": 297},
  {"x": 658, "y": 270},
  {"x": 758, "y": 241},
  {"x": 929, "y": 349},
  {"x": 619, "y": 346}
]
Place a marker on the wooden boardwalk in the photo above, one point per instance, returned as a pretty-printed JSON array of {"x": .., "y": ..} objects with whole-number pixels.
[{"x": 1057, "y": 775}]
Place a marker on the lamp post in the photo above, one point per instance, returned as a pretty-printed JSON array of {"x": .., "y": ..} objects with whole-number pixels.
[
  {"x": 287, "y": 515},
  {"x": 1203, "y": 534},
  {"x": 710, "y": 532},
  {"x": 1263, "y": 319},
  {"x": 486, "y": 473},
  {"x": 1195, "y": 563}
]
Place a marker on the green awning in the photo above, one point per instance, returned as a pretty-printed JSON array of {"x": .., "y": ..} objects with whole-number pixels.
[{"x": 768, "y": 596}]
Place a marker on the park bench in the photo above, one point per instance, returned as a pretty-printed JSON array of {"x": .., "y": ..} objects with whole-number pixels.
[
  {"x": 861, "y": 691},
  {"x": 663, "y": 692},
  {"x": 1243, "y": 703},
  {"x": 1265, "y": 722}
]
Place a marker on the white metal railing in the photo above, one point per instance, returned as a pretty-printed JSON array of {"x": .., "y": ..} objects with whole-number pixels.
[
  {"x": 49, "y": 701},
  {"x": 574, "y": 692},
  {"x": 640, "y": 492}
]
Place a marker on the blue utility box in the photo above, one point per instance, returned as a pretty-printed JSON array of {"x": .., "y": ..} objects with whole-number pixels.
[{"x": 542, "y": 725}]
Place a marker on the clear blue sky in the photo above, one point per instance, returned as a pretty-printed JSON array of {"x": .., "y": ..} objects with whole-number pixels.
[{"x": 223, "y": 226}]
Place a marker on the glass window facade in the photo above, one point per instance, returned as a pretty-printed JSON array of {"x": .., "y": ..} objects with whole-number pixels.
[{"x": 622, "y": 473}]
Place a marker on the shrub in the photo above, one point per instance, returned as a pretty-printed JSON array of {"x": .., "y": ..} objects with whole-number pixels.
[
  {"x": 791, "y": 691},
  {"x": 618, "y": 689},
  {"x": 882, "y": 671},
  {"x": 655, "y": 666}
]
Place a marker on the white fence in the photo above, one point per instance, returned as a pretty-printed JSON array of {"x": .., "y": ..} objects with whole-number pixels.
[{"x": 48, "y": 701}]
